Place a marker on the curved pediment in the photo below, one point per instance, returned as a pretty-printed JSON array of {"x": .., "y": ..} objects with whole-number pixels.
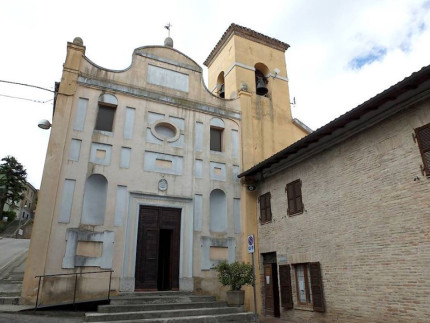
[{"x": 168, "y": 55}]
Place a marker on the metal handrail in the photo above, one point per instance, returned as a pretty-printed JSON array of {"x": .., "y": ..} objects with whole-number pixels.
[{"x": 76, "y": 280}]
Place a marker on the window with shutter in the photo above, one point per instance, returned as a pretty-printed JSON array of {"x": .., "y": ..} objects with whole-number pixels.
[
  {"x": 294, "y": 197},
  {"x": 265, "y": 208},
  {"x": 286, "y": 289},
  {"x": 423, "y": 138},
  {"x": 309, "y": 286}
]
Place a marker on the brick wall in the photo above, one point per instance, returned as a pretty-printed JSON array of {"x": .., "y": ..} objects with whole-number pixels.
[{"x": 366, "y": 220}]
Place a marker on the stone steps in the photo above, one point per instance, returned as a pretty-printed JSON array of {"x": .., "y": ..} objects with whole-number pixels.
[
  {"x": 169, "y": 306},
  {"x": 102, "y": 317},
  {"x": 158, "y": 307},
  {"x": 9, "y": 300},
  {"x": 223, "y": 318},
  {"x": 160, "y": 300}
]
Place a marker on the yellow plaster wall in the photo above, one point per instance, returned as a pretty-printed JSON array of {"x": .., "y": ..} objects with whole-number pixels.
[{"x": 266, "y": 124}]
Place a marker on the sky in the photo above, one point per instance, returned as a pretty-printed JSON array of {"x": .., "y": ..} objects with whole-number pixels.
[{"x": 343, "y": 52}]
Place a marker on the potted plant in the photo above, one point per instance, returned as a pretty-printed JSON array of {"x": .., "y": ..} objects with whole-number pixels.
[{"x": 235, "y": 275}]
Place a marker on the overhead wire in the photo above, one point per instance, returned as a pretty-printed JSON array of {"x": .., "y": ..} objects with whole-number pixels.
[
  {"x": 26, "y": 99},
  {"x": 28, "y": 85}
]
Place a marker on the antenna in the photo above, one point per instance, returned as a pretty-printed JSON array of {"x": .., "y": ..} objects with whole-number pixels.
[
  {"x": 168, "y": 28},
  {"x": 294, "y": 101}
]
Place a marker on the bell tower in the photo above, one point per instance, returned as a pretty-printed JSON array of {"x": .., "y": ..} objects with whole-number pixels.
[{"x": 251, "y": 66}]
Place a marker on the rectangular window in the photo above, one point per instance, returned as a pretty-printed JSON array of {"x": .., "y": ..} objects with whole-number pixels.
[
  {"x": 304, "y": 293},
  {"x": 216, "y": 136},
  {"x": 309, "y": 285},
  {"x": 294, "y": 196},
  {"x": 265, "y": 208},
  {"x": 423, "y": 138},
  {"x": 105, "y": 117}
]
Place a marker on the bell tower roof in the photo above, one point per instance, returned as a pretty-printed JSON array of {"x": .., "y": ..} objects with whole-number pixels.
[{"x": 245, "y": 33}]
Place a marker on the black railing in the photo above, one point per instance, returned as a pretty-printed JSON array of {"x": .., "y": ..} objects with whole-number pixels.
[{"x": 76, "y": 283}]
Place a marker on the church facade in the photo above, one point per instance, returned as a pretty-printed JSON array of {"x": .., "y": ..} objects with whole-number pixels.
[{"x": 141, "y": 174}]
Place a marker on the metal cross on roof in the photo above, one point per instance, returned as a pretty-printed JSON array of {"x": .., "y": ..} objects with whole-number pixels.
[{"x": 168, "y": 27}]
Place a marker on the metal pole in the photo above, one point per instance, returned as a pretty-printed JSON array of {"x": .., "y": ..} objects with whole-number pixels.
[
  {"x": 37, "y": 297},
  {"x": 253, "y": 285},
  {"x": 74, "y": 292},
  {"x": 110, "y": 280}
]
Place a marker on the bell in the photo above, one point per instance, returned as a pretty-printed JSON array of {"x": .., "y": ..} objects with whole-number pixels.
[
  {"x": 221, "y": 92},
  {"x": 261, "y": 86}
]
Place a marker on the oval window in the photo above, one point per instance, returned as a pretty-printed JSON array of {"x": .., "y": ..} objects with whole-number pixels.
[{"x": 165, "y": 130}]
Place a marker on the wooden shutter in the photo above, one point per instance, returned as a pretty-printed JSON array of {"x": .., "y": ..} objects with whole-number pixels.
[
  {"x": 423, "y": 138},
  {"x": 268, "y": 208},
  {"x": 294, "y": 196},
  {"x": 286, "y": 290},
  {"x": 290, "y": 197},
  {"x": 316, "y": 287},
  {"x": 262, "y": 209},
  {"x": 265, "y": 208},
  {"x": 298, "y": 196}
]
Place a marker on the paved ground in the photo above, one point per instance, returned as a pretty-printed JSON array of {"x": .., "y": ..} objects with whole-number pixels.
[
  {"x": 39, "y": 318},
  {"x": 68, "y": 317},
  {"x": 10, "y": 249}
]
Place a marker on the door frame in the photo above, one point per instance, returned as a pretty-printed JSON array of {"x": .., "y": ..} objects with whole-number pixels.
[
  {"x": 127, "y": 264},
  {"x": 271, "y": 261},
  {"x": 166, "y": 218}
]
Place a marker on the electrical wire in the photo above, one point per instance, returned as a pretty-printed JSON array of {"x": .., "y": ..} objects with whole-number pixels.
[
  {"x": 29, "y": 85},
  {"x": 19, "y": 98}
]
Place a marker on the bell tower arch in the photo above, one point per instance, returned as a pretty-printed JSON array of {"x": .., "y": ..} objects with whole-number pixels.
[{"x": 254, "y": 71}]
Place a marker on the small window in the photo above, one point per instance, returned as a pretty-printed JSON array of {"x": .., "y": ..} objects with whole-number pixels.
[
  {"x": 216, "y": 139},
  {"x": 106, "y": 112},
  {"x": 294, "y": 196},
  {"x": 265, "y": 208},
  {"x": 423, "y": 138},
  {"x": 309, "y": 285},
  {"x": 105, "y": 118}
]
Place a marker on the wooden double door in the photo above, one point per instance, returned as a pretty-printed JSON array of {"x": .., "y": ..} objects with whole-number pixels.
[{"x": 157, "y": 252}]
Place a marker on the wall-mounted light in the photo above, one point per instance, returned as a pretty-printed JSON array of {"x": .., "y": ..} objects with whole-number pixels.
[
  {"x": 44, "y": 124},
  {"x": 276, "y": 71}
]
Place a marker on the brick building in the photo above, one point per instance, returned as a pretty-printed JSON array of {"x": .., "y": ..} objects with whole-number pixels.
[{"x": 344, "y": 215}]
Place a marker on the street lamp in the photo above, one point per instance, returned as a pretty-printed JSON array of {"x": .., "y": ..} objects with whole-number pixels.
[{"x": 44, "y": 124}]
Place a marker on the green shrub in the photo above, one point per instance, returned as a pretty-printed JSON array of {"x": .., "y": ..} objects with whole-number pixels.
[{"x": 235, "y": 275}]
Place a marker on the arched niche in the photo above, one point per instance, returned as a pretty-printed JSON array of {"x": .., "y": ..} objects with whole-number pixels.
[
  {"x": 220, "y": 84},
  {"x": 108, "y": 99},
  {"x": 261, "y": 79},
  {"x": 94, "y": 208},
  {"x": 218, "y": 211}
]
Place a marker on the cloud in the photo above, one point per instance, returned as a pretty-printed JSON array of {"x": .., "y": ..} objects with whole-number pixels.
[{"x": 375, "y": 54}]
